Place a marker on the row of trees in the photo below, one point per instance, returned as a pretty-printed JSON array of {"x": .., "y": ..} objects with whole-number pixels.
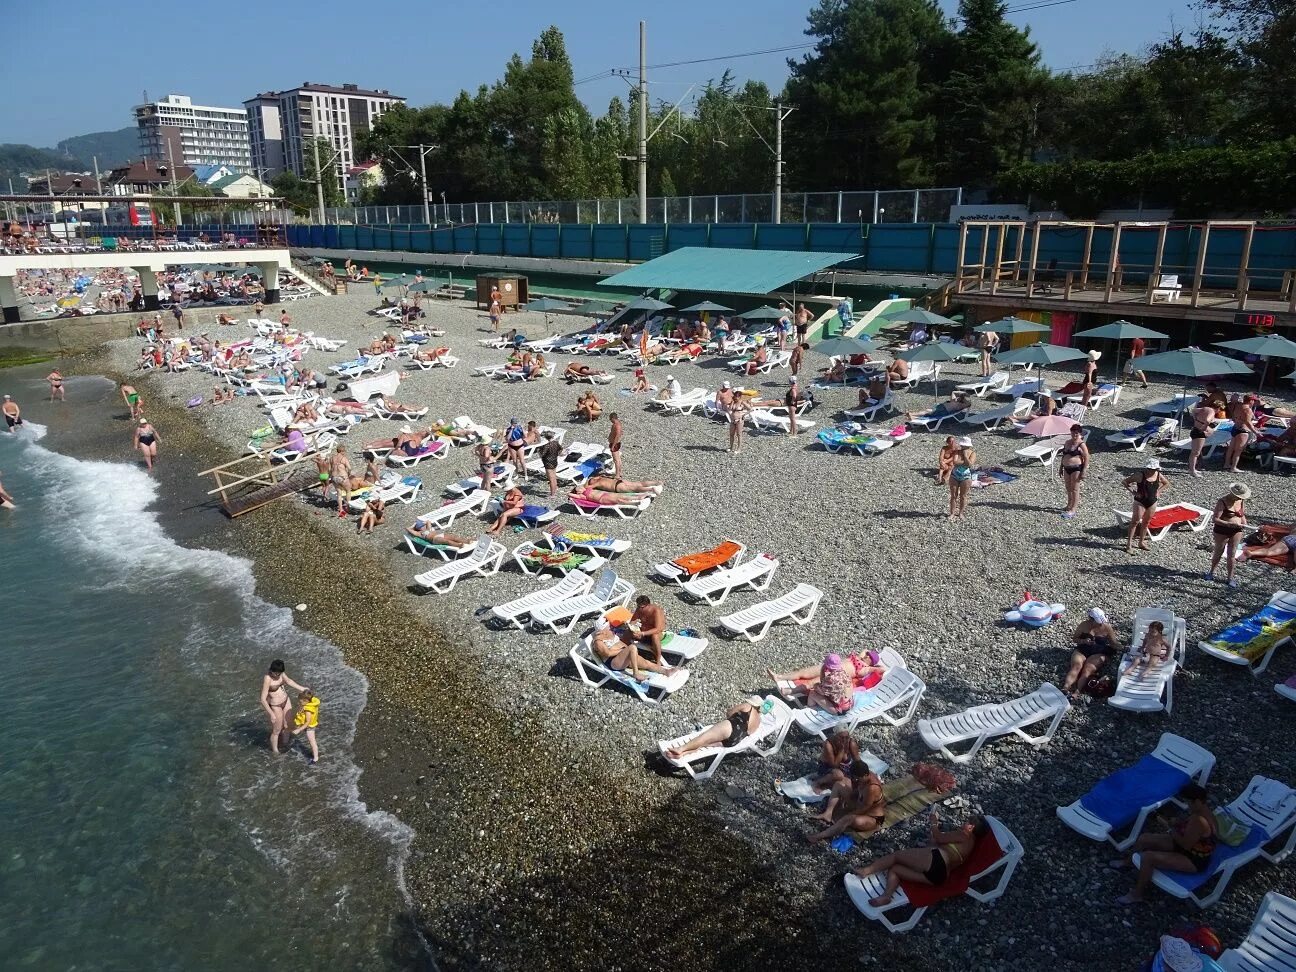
[{"x": 894, "y": 94}]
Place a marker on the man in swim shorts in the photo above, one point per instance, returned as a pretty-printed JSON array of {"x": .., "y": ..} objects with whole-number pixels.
[{"x": 12, "y": 413}]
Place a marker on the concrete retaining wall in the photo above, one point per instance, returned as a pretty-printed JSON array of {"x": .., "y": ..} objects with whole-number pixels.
[{"x": 68, "y": 335}]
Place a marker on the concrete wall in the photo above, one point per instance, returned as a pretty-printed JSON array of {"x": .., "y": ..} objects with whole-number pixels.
[
  {"x": 596, "y": 268},
  {"x": 68, "y": 335}
]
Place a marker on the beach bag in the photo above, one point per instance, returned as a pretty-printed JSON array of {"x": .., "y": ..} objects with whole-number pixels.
[{"x": 1101, "y": 687}]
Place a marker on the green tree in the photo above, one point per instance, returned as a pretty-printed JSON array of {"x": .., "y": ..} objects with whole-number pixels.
[
  {"x": 864, "y": 95},
  {"x": 991, "y": 99},
  {"x": 298, "y": 194},
  {"x": 1265, "y": 34}
]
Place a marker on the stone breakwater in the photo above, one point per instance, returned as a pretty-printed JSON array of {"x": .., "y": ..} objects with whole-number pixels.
[{"x": 542, "y": 824}]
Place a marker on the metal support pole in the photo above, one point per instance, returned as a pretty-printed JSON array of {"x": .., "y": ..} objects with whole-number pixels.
[
  {"x": 778, "y": 161},
  {"x": 839, "y": 219},
  {"x": 643, "y": 122},
  {"x": 427, "y": 212},
  {"x": 915, "y": 213},
  {"x": 875, "y": 205},
  {"x": 319, "y": 180},
  {"x": 175, "y": 205}
]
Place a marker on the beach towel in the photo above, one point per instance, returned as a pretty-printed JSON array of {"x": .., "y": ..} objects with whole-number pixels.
[
  {"x": 991, "y": 476},
  {"x": 1251, "y": 637},
  {"x": 905, "y": 798},
  {"x": 1171, "y": 516},
  {"x": 1191, "y": 882},
  {"x": 696, "y": 563},
  {"x": 530, "y": 512},
  {"x": 1118, "y": 799},
  {"x": 1267, "y": 534},
  {"x": 618, "y": 616},
  {"x": 985, "y": 853},
  {"x": 584, "y": 539},
  {"x": 563, "y": 559}
]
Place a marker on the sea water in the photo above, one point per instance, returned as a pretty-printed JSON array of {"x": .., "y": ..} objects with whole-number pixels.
[{"x": 144, "y": 824}]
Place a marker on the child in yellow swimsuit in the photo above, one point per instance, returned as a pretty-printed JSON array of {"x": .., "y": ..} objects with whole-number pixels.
[{"x": 307, "y": 720}]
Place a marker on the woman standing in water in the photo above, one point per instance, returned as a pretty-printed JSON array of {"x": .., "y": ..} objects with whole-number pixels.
[
  {"x": 56, "y": 386},
  {"x": 146, "y": 441},
  {"x": 275, "y": 701}
]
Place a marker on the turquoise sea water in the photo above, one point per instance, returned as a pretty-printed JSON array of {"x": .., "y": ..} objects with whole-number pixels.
[{"x": 145, "y": 823}]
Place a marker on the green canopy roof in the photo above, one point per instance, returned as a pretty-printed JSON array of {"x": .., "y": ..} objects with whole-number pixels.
[{"x": 716, "y": 270}]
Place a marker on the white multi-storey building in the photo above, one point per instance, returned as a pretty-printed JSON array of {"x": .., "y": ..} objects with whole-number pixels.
[
  {"x": 195, "y": 134},
  {"x": 337, "y": 113},
  {"x": 266, "y": 134}
]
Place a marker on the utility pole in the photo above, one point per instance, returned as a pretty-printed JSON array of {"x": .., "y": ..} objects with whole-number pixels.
[
  {"x": 778, "y": 161},
  {"x": 643, "y": 122},
  {"x": 319, "y": 179},
  {"x": 427, "y": 211},
  {"x": 176, "y": 205}
]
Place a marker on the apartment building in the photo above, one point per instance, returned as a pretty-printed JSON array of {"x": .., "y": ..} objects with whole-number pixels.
[
  {"x": 265, "y": 132},
  {"x": 337, "y": 113},
  {"x": 194, "y": 134}
]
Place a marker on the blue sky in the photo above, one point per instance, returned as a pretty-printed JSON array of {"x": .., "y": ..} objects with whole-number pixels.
[{"x": 427, "y": 51}]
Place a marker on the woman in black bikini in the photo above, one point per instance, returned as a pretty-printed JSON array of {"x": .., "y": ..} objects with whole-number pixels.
[
  {"x": 738, "y": 723},
  {"x": 1203, "y": 420},
  {"x": 1146, "y": 487},
  {"x": 1187, "y": 849},
  {"x": 56, "y": 386},
  {"x": 1230, "y": 522},
  {"x": 275, "y": 701},
  {"x": 859, "y": 805},
  {"x": 1095, "y": 642},
  {"x": 1090, "y": 380},
  {"x": 1075, "y": 460},
  {"x": 945, "y": 851}
]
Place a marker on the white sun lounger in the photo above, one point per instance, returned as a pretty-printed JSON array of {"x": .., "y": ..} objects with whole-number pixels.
[
  {"x": 527, "y": 549},
  {"x": 992, "y": 418},
  {"x": 1286, "y": 691},
  {"x": 919, "y": 372},
  {"x": 518, "y": 611},
  {"x": 986, "y": 885},
  {"x": 982, "y": 723},
  {"x": 669, "y": 571},
  {"x": 626, "y": 511},
  {"x": 561, "y": 616},
  {"x": 653, "y": 690},
  {"x": 1107, "y": 393},
  {"x": 754, "y": 623},
  {"x": 391, "y": 488},
  {"x": 501, "y": 478},
  {"x": 1176, "y": 406},
  {"x": 715, "y": 589},
  {"x": 602, "y": 545},
  {"x": 870, "y": 411},
  {"x": 685, "y": 404},
  {"x": 1022, "y": 389},
  {"x": 355, "y": 369},
  {"x": 1045, "y": 450},
  {"x": 1177, "y": 753},
  {"x": 440, "y": 361},
  {"x": 983, "y": 386},
  {"x": 1152, "y": 690},
  {"x": 484, "y": 559},
  {"x": 491, "y": 371},
  {"x": 406, "y": 414},
  {"x": 767, "y": 740},
  {"x": 1217, "y": 440},
  {"x": 1269, "y": 808},
  {"x": 1270, "y": 945},
  {"x": 435, "y": 449},
  {"x": 1196, "y": 525},
  {"x": 1141, "y": 435},
  {"x": 767, "y": 420},
  {"x": 547, "y": 372},
  {"x": 1282, "y": 605},
  {"x": 894, "y": 700},
  {"x": 443, "y": 516},
  {"x": 930, "y": 421}
]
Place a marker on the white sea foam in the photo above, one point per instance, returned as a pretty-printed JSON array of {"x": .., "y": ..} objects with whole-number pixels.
[{"x": 104, "y": 510}]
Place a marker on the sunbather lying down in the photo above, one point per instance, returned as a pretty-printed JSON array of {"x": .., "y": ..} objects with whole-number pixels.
[
  {"x": 347, "y": 408},
  {"x": 619, "y": 656},
  {"x": 738, "y": 723},
  {"x": 431, "y": 355},
  {"x": 957, "y": 402},
  {"x": 607, "y": 497},
  {"x": 386, "y": 404},
  {"x": 832, "y": 684},
  {"x": 578, "y": 370},
  {"x": 426, "y": 531},
  {"x": 612, "y": 484},
  {"x": 930, "y": 864}
]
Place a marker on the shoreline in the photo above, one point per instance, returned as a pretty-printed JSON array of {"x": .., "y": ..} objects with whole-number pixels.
[{"x": 580, "y": 836}]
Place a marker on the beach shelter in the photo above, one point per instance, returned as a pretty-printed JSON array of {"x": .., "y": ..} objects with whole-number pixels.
[
  {"x": 1041, "y": 355},
  {"x": 707, "y": 307},
  {"x": 1265, "y": 346},
  {"x": 1121, "y": 331}
]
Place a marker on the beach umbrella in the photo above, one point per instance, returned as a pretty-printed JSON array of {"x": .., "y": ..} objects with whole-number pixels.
[
  {"x": 425, "y": 286},
  {"x": 916, "y": 315},
  {"x": 400, "y": 280},
  {"x": 845, "y": 347},
  {"x": 547, "y": 304},
  {"x": 1013, "y": 325},
  {"x": 932, "y": 351},
  {"x": 649, "y": 304},
  {"x": 707, "y": 307},
  {"x": 1265, "y": 346},
  {"x": 1042, "y": 355},
  {"x": 1189, "y": 363},
  {"x": 765, "y": 313},
  {"x": 1049, "y": 426},
  {"x": 1121, "y": 331}
]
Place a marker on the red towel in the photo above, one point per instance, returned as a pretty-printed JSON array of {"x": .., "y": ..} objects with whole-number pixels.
[
  {"x": 1172, "y": 515},
  {"x": 985, "y": 853}
]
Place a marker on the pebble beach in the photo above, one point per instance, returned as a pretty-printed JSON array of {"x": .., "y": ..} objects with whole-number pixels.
[{"x": 548, "y": 834}]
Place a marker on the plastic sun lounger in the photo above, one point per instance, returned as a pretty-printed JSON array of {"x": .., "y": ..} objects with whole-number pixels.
[
  {"x": 1152, "y": 690},
  {"x": 1269, "y": 808},
  {"x": 484, "y": 559},
  {"x": 436, "y": 449},
  {"x": 1105, "y": 394},
  {"x": 404, "y": 414},
  {"x": 919, "y": 372},
  {"x": 1023, "y": 389},
  {"x": 701, "y": 764},
  {"x": 443, "y": 516},
  {"x": 547, "y": 372},
  {"x": 653, "y": 690},
  {"x": 894, "y": 700},
  {"x": 715, "y": 588},
  {"x": 727, "y": 553},
  {"x": 418, "y": 547},
  {"x": 400, "y": 489},
  {"x": 595, "y": 543},
  {"x": 544, "y": 558},
  {"x": 490, "y": 371},
  {"x": 1253, "y": 640},
  {"x": 862, "y": 441},
  {"x": 685, "y": 404},
  {"x": 1163, "y": 520},
  {"x": 869, "y": 412},
  {"x": 986, "y": 885},
  {"x": 767, "y": 420},
  {"x": 1287, "y": 689},
  {"x": 1270, "y": 945},
  {"x": 561, "y": 616},
  {"x": 501, "y": 478},
  {"x": 626, "y": 511},
  {"x": 1045, "y": 450},
  {"x": 517, "y": 612},
  {"x": 1141, "y": 435},
  {"x": 754, "y": 623},
  {"x": 993, "y": 418},
  {"x": 983, "y": 386},
  {"x": 1115, "y": 814},
  {"x": 931, "y": 422},
  {"x": 982, "y": 723}
]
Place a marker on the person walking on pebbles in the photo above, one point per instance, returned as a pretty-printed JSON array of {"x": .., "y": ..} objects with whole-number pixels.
[
  {"x": 1145, "y": 486},
  {"x": 1071, "y": 468},
  {"x": 738, "y": 410},
  {"x": 614, "y": 443},
  {"x": 960, "y": 477},
  {"x": 1229, "y": 522}
]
